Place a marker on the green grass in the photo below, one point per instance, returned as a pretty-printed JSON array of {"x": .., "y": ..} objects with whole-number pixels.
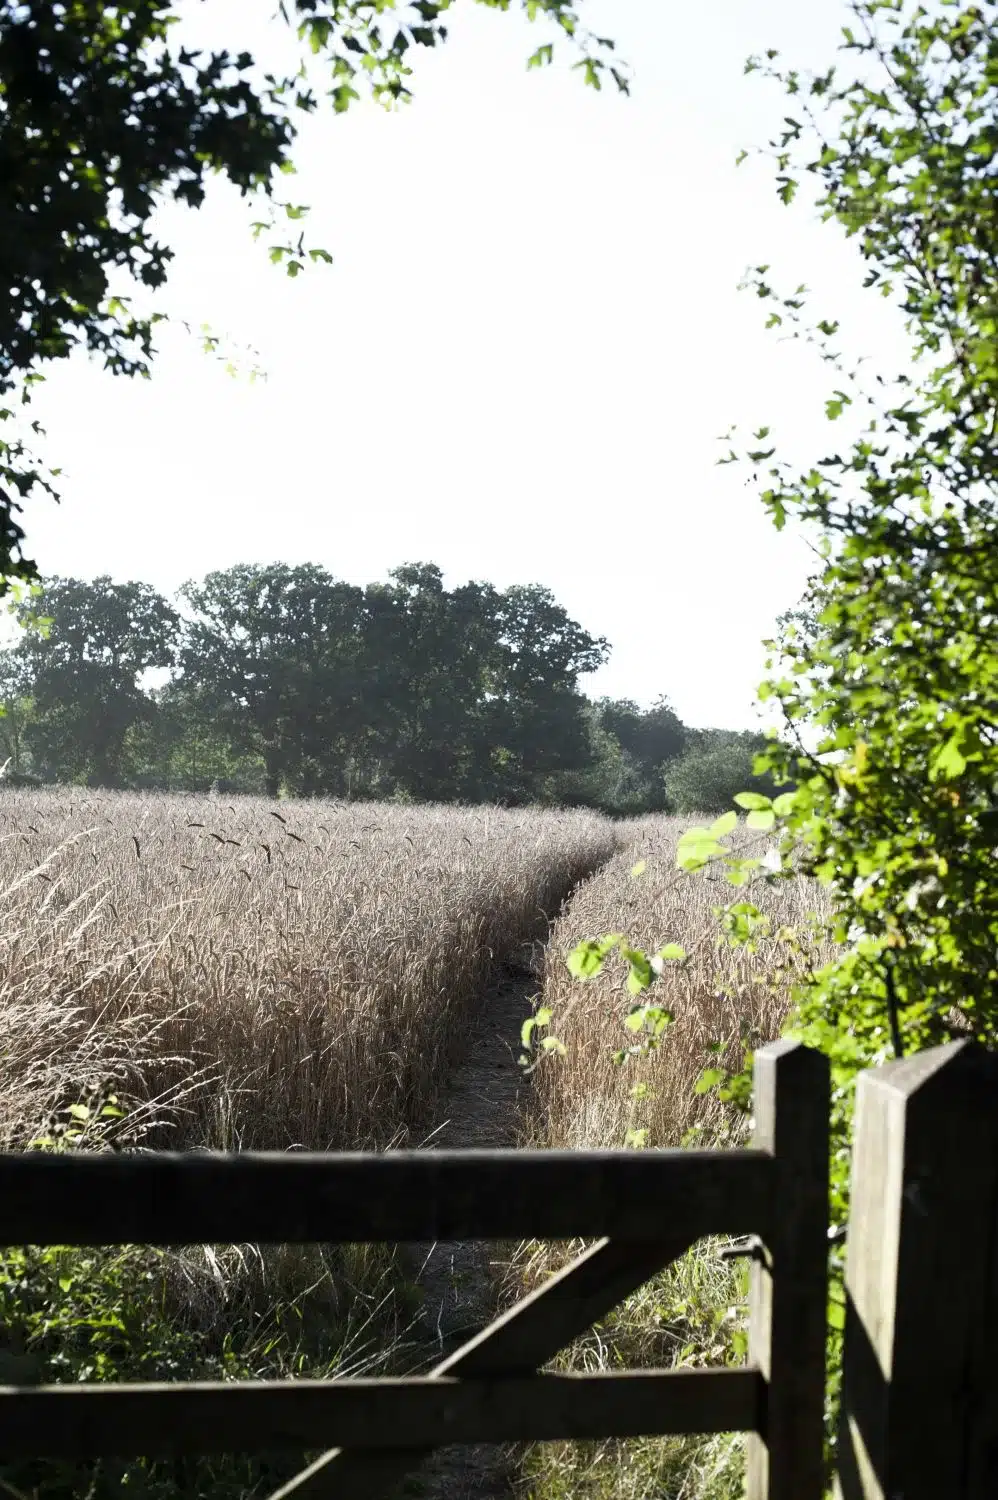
[
  {"x": 692, "y": 1315},
  {"x": 132, "y": 1313}
]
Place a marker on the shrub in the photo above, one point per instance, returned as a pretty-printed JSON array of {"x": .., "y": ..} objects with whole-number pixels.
[{"x": 706, "y": 777}]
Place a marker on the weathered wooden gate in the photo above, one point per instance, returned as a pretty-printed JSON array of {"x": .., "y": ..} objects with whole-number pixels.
[
  {"x": 644, "y": 1208},
  {"x": 919, "y": 1410}
]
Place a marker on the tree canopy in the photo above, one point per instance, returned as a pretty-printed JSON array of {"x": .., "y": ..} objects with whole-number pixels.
[
  {"x": 105, "y": 115},
  {"x": 898, "y": 668},
  {"x": 84, "y": 675},
  {"x": 285, "y": 680},
  {"x": 887, "y": 676}
]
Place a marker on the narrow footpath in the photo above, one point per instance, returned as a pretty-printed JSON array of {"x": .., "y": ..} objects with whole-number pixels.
[{"x": 480, "y": 1107}]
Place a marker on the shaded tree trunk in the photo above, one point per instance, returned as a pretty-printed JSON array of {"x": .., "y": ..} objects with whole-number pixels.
[{"x": 272, "y": 770}]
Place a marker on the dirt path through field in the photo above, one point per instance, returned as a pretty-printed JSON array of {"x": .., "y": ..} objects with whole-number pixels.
[{"x": 480, "y": 1108}]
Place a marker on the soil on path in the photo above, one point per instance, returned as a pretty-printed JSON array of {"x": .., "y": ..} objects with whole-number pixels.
[{"x": 481, "y": 1107}]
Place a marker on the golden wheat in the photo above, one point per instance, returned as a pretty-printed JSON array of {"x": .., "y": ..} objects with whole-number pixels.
[
  {"x": 256, "y": 975},
  {"x": 718, "y": 995}
]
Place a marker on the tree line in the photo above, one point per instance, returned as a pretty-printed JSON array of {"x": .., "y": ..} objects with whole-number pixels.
[{"x": 283, "y": 679}]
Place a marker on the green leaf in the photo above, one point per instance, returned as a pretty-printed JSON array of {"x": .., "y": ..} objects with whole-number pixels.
[
  {"x": 540, "y": 1018},
  {"x": 672, "y": 951},
  {"x": 709, "y": 1079},
  {"x": 761, "y": 820},
  {"x": 723, "y": 825},
  {"x": 641, "y": 973},
  {"x": 587, "y": 958},
  {"x": 949, "y": 761},
  {"x": 695, "y": 855},
  {"x": 639, "y": 868},
  {"x": 754, "y": 801}
]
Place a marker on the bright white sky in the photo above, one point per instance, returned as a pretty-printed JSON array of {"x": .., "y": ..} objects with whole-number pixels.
[{"x": 521, "y": 360}]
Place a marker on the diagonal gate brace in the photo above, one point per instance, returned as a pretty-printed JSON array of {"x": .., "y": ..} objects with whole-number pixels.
[{"x": 517, "y": 1343}]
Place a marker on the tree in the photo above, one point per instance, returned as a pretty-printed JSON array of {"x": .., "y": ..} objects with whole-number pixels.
[
  {"x": 273, "y": 655},
  {"x": 103, "y": 119},
  {"x": 647, "y": 740},
  {"x": 430, "y": 660},
  {"x": 652, "y": 736},
  {"x": 84, "y": 676},
  {"x": 16, "y": 713},
  {"x": 185, "y": 746},
  {"x": 472, "y": 692},
  {"x": 289, "y": 678},
  {"x": 716, "y": 765},
  {"x": 534, "y": 713},
  {"x": 889, "y": 691},
  {"x": 898, "y": 673}
]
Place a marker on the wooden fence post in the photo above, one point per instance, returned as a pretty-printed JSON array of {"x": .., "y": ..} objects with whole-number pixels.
[
  {"x": 789, "y": 1279},
  {"x": 920, "y": 1374}
]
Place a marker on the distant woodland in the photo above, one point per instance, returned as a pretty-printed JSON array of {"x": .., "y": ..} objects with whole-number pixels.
[{"x": 287, "y": 681}]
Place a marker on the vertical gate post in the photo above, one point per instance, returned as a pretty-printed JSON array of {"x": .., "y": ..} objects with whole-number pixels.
[
  {"x": 789, "y": 1281},
  {"x": 919, "y": 1413}
]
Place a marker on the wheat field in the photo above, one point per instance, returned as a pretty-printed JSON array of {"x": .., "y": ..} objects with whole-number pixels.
[
  {"x": 251, "y": 975},
  {"x": 719, "y": 995},
  {"x": 244, "y": 974},
  {"x": 692, "y": 1314}
]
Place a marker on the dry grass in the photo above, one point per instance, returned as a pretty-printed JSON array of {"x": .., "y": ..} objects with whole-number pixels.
[
  {"x": 719, "y": 994},
  {"x": 256, "y": 976},
  {"x": 692, "y": 1314}
]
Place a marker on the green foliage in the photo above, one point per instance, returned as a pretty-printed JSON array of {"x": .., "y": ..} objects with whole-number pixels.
[
  {"x": 646, "y": 1022},
  {"x": 402, "y": 688},
  {"x": 73, "y": 695},
  {"x": 83, "y": 178},
  {"x": 893, "y": 668},
  {"x": 533, "y": 1047},
  {"x": 887, "y": 677},
  {"x": 270, "y": 656},
  {"x": 186, "y": 745},
  {"x": 137, "y": 1313},
  {"x": 288, "y": 679},
  {"x": 714, "y": 767},
  {"x": 629, "y": 748}
]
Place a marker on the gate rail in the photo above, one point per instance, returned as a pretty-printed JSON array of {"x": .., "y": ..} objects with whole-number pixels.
[{"x": 644, "y": 1208}]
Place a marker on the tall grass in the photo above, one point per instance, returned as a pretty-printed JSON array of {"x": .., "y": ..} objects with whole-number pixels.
[
  {"x": 255, "y": 976},
  {"x": 722, "y": 997}
]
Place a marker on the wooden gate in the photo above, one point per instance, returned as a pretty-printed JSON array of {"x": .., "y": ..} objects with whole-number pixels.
[
  {"x": 643, "y": 1209},
  {"x": 919, "y": 1409}
]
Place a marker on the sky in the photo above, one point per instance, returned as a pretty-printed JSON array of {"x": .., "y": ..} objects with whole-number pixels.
[{"x": 518, "y": 365}]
